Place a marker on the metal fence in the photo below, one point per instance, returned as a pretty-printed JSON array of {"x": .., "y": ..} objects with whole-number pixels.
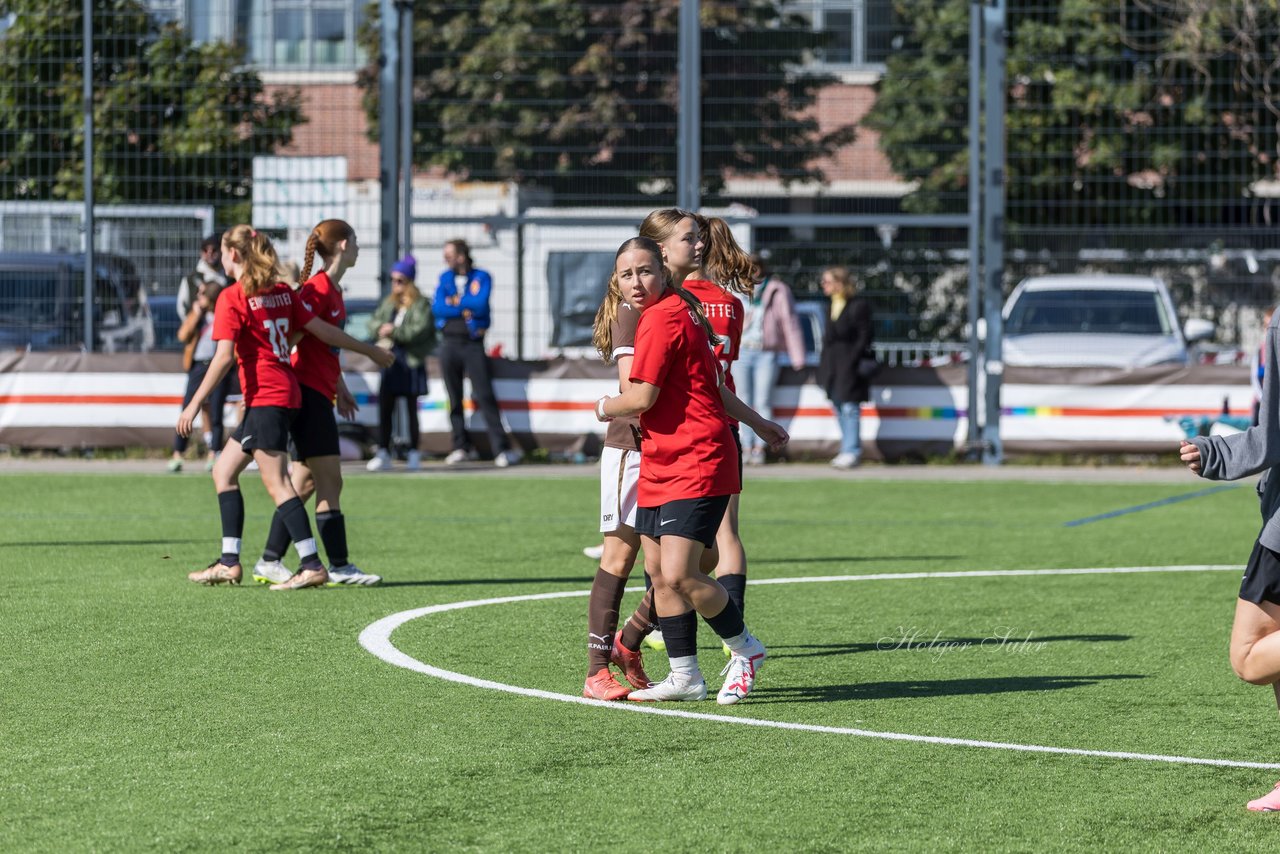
[{"x": 1141, "y": 137}]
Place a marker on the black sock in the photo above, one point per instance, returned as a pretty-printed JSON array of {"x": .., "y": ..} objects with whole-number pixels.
[
  {"x": 680, "y": 633},
  {"x": 727, "y": 624},
  {"x": 231, "y": 509},
  {"x": 277, "y": 538},
  {"x": 736, "y": 587},
  {"x": 648, "y": 582},
  {"x": 294, "y": 514},
  {"x": 332, "y": 528}
]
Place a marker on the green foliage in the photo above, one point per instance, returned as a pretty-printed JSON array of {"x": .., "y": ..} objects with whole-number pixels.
[
  {"x": 169, "y": 115},
  {"x": 581, "y": 97},
  {"x": 1122, "y": 114}
]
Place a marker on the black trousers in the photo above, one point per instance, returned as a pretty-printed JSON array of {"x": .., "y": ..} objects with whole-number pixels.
[
  {"x": 386, "y": 414},
  {"x": 217, "y": 400},
  {"x": 463, "y": 356}
]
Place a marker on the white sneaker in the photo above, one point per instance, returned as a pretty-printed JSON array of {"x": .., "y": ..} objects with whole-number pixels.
[
  {"x": 675, "y": 687},
  {"x": 508, "y": 458},
  {"x": 414, "y": 462},
  {"x": 741, "y": 673},
  {"x": 594, "y": 552},
  {"x": 654, "y": 640},
  {"x": 845, "y": 461},
  {"x": 271, "y": 572},
  {"x": 381, "y": 462},
  {"x": 458, "y": 455},
  {"x": 351, "y": 575}
]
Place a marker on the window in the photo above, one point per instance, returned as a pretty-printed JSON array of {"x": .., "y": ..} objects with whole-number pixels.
[
  {"x": 306, "y": 34},
  {"x": 860, "y": 33}
]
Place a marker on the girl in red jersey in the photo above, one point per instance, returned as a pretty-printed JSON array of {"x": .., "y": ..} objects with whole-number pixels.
[
  {"x": 687, "y": 470},
  {"x": 257, "y": 318},
  {"x": 317, "y": 468},
  {"x": 676, "y": 233},
  {"x": 726, "y": 270}
]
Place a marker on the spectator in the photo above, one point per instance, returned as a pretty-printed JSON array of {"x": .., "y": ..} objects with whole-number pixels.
[
  {"x": 1258, "y": 364},
  {"x": 769, "y": 328},
  {"x": 461, "y": 309},
  {"x": 208, "y": 271},
  {"x": 402, "y": 324},
  {"x": 846, "y": 341},
  {"x": 196, "y": 332}
]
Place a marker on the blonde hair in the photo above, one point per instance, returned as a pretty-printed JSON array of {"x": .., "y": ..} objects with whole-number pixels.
[
  {"x": 724, "y": 261},
  {"x": 409, "y": 296},
  {"x": 324, "y": 238},
  {"x": 607, "y": 314},
  {"x": 260, "y": 264},
  {"x": 845, "y": 279}
]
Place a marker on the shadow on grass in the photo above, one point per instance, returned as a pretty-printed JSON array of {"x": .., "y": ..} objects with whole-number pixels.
[
  {"x": 471, "y": 582},
  {"x": 934, "y": 646},
  {"x": 853, "y": 559},
  {"x": 930, "y": 688},
  {"x": 71, "y": 544}
]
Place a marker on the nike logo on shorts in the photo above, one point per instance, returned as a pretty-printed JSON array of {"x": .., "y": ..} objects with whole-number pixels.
[
  {"x": 668, "y": 522},
  {"x": 246, "y": 438}
]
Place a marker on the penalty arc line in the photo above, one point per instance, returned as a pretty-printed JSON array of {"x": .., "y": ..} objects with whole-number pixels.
[{"x": 376, "y": 638}]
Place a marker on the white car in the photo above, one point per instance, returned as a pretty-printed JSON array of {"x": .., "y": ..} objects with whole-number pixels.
[{"x": 1096, "y": 321}]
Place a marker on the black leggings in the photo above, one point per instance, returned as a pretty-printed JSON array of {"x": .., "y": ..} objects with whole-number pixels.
[
  {"x": 459, "y": 357},
  {"x": 386, "y": 414},
  {"x": 217, "y": 400}
]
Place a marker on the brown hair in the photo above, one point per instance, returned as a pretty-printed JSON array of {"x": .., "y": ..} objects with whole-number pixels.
[
  {"x": 261, "y": 265},
  {"x": 324, "y": 238},
  {"x": 602, "y": 329},
  {"x": 462, "y": 249},
  {"x": 724, "y": 261},
  {"x": 410, "y": 295}
]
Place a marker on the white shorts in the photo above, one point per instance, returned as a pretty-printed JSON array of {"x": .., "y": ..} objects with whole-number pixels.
[{"x": 619, "y": 488}]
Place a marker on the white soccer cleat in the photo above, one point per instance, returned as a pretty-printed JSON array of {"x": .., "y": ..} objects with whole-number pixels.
[
  {"x": 381, "y": 462},
  {"x": 675, "y": 687},
  {"x": 508, "y": 458},
  {"x": 594, "y": 552},
  {"x": 350, "y": 575},
  {"x": 740, "y": 673},
  {"x": 271, "y": 572}
]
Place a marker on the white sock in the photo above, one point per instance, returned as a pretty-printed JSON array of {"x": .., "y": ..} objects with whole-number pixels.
[
  {"x": 739, "y": 643},
  {"x": 306, "y": 548},
  {"x": 686, "y": 666}
]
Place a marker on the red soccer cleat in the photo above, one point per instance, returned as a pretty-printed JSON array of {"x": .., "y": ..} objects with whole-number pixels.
[
  {"x": 603, "y": 686},
  {"x": 630, "y": 663}
]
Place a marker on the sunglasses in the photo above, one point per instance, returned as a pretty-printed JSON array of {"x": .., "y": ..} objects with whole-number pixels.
[{"x": 399, "y": 279}]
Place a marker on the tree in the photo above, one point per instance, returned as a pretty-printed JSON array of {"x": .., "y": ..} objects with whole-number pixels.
[
  {"x": 174, "y": 122},
  {"x": 1143, "y": 114},
  {"x": 581, "y": 97}
]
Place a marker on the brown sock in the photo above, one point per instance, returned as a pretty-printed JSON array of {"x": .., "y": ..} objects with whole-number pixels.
[
  {"x": 641, "y": 623},
  {"x": 602, "y": 619}
]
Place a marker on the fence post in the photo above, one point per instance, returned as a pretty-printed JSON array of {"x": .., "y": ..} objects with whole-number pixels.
[
  {"x": 406, "y": 126},
  {"x": 389, "y": 139},
  {"x": 993, "y": 19},
  {"x": 975, "y": 219},
  {"x": 86, "y": 219},
  {"x": 689, "y": 119}
]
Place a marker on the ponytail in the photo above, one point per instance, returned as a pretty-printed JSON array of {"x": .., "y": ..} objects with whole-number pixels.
[
  {"x": 259, "y": 262},
  {"x": 606, "y": 315},
  {"x": 724, "y": 261},
  {"x": 324, "y": 238}
]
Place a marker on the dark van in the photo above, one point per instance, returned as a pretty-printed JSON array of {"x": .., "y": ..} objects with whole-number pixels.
[{"x": 42, "y": 302}]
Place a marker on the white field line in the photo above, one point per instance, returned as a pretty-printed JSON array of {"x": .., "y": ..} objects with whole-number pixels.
[{"x": 376, "y": 638}]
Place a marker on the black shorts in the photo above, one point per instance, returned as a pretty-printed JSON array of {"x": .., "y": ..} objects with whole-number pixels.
[
  {"x": 1261, "y": 580},
  {"x": 265, "y": 428},
  {"x": 692, "y": 518},
  {"x": 315, "y": 430}
]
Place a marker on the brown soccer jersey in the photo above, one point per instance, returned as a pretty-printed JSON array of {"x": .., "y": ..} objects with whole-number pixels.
[{"x": 624, "y": 432}]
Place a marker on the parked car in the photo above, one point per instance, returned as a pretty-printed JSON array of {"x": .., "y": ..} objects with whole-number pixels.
[
  {"x": 359, "y": 312},
  {"x": 42, "y": 302},
  {"x": 1096, "y": 321}
]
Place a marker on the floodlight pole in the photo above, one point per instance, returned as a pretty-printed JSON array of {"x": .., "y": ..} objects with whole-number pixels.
[
  {"x": 975, "y": 222},
  {"x": 689, "y": 115},
  {"x": 406, "y": 127},
  {"x": 86, "y": 38}
]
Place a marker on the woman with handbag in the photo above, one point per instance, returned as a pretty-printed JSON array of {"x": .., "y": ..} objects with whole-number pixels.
[{"x": 848, "y": 362}]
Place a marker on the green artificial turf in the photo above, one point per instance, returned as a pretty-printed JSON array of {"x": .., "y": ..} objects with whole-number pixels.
[{"x": 141, "y": 712}]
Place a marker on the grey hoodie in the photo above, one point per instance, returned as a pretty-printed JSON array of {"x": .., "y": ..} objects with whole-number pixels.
[{"x": 1256, "y": 449}]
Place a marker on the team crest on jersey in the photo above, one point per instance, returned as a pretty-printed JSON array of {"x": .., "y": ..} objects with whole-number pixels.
[{"x": 475, "y": 287}]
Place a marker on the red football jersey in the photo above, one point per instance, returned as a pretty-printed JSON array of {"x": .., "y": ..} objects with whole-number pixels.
[
  {"x": 315, "y": 362},
  {"x": 687, "y": 448},
  {"x": 724, "y": 311},
  {"x": 260, "y": 326}
]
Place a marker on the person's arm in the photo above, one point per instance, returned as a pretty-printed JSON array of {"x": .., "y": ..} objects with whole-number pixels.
[
  {"x": 445, "y": 306},
  {"x": 190, "y": 327},
  {"x": 639, "y": 397},
  {"x": 774, "y": 435},
  {"x": 335, "y": 337},
  {"x": 477, "y": 303},
  {"x": 344, "y": 400},
  {"x": 792, "y": 337},
  {"x": 416, "y": 325},
  {"x": 860, "y": 316},
  {"x": 1247, "y": 453},
  {"x": 218, "y": 367}
]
